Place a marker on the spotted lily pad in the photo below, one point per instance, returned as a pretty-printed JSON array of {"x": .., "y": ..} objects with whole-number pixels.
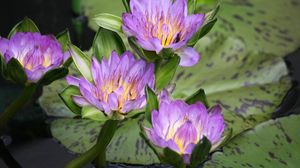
[
  {"x": 274, "y": 143},
  {"x": 127, "y": 146},
  {"x": 248, "y": 85},
  {"x": 263, "y": 26}
]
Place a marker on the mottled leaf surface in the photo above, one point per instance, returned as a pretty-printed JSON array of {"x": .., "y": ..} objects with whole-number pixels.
[
  {"x": 271, "y": 27},
  {"x": 127, "y": 146},
  {"x": 274, "y": 143},
  {"x": 249, "y": 85}
]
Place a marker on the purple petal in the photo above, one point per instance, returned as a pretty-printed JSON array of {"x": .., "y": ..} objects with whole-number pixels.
[
  {"x": 88, "y": 92},
  {"x": 71, "y": 80},
  {"x": 80, "y": 101},
  {"x": 186, "y": 135},
  {"x": 113, "y": 101},
  {"x": 216, "y": 124},
  {"x": 154, "y": 138},
  {"x": 188, "y": 56},
  {"x": 96, "y": 71}
]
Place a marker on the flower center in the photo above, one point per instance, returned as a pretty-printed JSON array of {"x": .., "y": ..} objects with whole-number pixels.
[
  {"x": 167, "y": 31},
  {"x": 125, "y": 91}
]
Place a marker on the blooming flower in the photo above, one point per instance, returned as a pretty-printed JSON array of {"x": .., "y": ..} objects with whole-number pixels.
[
  {"x": 118, "y": 84},
  {"x": 36, "y": 53},
  {"x": 180, "y": 126},
  {"x": 158, "y": 24}
]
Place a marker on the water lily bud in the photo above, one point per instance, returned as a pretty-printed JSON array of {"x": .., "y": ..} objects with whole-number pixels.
[{"x": 180, "y": 127}]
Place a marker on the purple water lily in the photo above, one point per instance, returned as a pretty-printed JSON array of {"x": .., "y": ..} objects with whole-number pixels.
[
  {"x": 36, "y": 53},
  {"x": 118, "y": 84},
  {"x": 158, "y": 24},
  {"x": 180, "y": 126}
]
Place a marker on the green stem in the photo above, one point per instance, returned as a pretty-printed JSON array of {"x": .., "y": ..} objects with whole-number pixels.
[
  {"x": 97, "y": 151},
  {"x": 16, "y": 105}
]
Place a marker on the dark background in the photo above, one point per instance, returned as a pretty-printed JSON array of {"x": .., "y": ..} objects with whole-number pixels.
[{"x": 33, "y": 146}]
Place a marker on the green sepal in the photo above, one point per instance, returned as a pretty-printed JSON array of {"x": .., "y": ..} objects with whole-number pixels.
[
  {"x": 209, "y": 22},
  {"x": 109, "y": 21},
  {"x": 202, "y": 32},
  {"x": 173, "y": 158},
  {"x": 82, "y": 62},
  {"x": 64, "y": 40},
  {"x": 198, "y": 96},
  {"x": 133, "y": 44},
  {"x": 26, "y": 25},
  {"x": 67, "y": 94},
  {"x": 105, "y": 42},
  {"x": 90, "y": 112},
  {"x": 126, "y": 4},
  {"x": 135, "y": 113},
  {"x": 200, "y": 152},
  {"x": 166, "y": 53},
  {"x": 165, "y": 73},
  {"x": 2, "y": 66},
  {"x": 53, "y": 75},
  {"x": 152, "y": 103},
  {"x": 15, "y": 71}
]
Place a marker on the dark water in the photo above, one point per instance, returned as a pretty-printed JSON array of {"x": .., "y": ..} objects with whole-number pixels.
[{"x": 32, "y": 145}]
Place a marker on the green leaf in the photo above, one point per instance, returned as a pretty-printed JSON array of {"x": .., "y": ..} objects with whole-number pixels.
[
  {"x": 82, "y": 62},
  {"x": 67, "y": 94},
  {"x": 15, "y": 71},
  {"x": 127, "y": 146},
  {"x": 64, "y": 40},
  {"x": 200, "y": 152},
  {"x": 26, "y": 25},
  {"x": 109, "y": 21},
  {"x": 90, "y": 112},
  {"x": 271, "y": 144},
  {"x": 173, "y": 158},
  {"x": 152, "y": 103},
  {"x": 198, "y": 96},
  {"x": 166, "y": 72},
  {"x": 53, "y": 75},
  {"x": 107, "y": 41}
]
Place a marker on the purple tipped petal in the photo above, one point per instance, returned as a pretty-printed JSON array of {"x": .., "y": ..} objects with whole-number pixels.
[
  {"x": 155, "y": 139},
  {"x": 216, "y": 124},
  {"x": 71, "y": 80},
  {"x": 186, "y": 135},
  {"x": 80, "y": 101},
  {"x": 188, "y": 56},
  {"x": 113, "y": 101}
]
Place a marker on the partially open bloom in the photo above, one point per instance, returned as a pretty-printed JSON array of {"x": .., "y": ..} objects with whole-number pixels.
[
  {"x": 118, "y": 84},
  {"x": 158, "y": 24},
  {"x": 36, "y": 53},
  {"x": 180, "y": 126}
]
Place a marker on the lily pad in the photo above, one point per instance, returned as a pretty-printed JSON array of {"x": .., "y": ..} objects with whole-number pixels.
[
  {"x": 127, "y": 146},
  {"x": 274, "y": 143},
  {"x": 263, "y": 26},
  {"x": 248, "y": 85}
]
